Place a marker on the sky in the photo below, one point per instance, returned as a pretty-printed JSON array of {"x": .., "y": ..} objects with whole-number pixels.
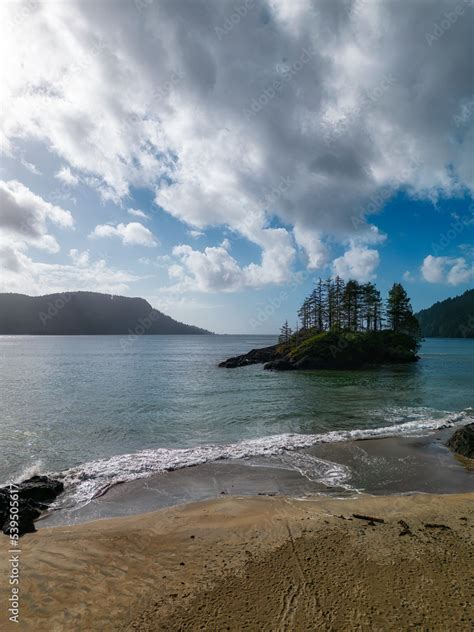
[{"x": 216, "y": 158}]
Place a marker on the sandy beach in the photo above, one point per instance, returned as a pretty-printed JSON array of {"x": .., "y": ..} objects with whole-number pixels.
[{"x": 255, "y": 563}]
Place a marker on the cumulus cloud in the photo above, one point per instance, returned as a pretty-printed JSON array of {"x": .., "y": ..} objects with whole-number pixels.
[
  {"x": 214, "y": 269},
  {"x": 132, "y": 234},
  {"x": 301, "y": 112},
  {"x": 79, "y": 258},
  {"x": 451, "y": 270},
  {"x": 358, "y": 263},
  {"x": 20, "y": 273},
  {"x": 25, "y": 216}
]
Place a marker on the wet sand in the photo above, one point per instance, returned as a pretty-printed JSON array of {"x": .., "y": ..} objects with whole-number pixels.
[
  {"x": 260, "y": 563},
  {"x": 396, "y": 465}
]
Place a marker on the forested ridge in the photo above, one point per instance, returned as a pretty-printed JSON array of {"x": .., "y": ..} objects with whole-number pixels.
[
  {"x": 85, "y": 313},
  {"x": 452, "y": 318}
]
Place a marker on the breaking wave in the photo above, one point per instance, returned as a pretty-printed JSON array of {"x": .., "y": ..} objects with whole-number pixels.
[{"x": 92, "y": 479}]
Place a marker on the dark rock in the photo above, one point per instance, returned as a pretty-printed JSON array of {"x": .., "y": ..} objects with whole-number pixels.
[
  {"x": 27, "y": 514},
  {"x": 40, "y": 489},
  {"x": 31, "y": 497},
  {"x": 279, "y": 365},
  {"x": 462, "y": 441},
  {"x": 255, "y": 356}
]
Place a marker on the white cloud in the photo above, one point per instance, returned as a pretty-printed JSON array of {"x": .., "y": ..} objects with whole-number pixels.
[
  {"x": 67, "y": 177},
  {"x": 20, "y": 273},
  {"x": 357, "y": 263},
  {"x": 162, "y": 261},
  {"x": 25, "y": 216},
  {"x": 214, "y": 269},
  {"x": 137, "y": 213},
  {"x": 451, "y": 270},
  {"x": 79, "y": 258},
  {"x": 31, "y": 167},
  {"x": 132, "y": 234},
  {"x": 316, "y": 251},
  {"x": 409, "y": 277},
  {"x": 155, "y": 98},
  {"x": 195, "y": 233}
]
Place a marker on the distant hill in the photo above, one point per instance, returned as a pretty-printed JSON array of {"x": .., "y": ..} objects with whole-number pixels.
[
  {"x": 85, "y": 313},
  {"x": 452, "y": 318}
]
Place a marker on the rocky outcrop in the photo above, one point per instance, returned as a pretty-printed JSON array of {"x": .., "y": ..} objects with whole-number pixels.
[
  {"x": 27, "y": 501},
  {"x": 255, "y": 356},
  {"x": 332, "y": 350},
  {"x": 462, "y": 441}
]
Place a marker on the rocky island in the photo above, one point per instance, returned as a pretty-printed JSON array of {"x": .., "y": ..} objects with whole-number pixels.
[
  {"x": 330, "y": 350},
  {"x": 342, "y": 326}
]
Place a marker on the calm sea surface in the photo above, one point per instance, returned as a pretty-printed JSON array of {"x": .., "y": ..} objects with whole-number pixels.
[{"x": 81, "y": 402}]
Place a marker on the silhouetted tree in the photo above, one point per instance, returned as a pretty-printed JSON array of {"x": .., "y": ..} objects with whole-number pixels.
[
  {"x": 285, "y": 333},
  {"x": 304, "y": 314},
  {"x": 399, "y": 311}
]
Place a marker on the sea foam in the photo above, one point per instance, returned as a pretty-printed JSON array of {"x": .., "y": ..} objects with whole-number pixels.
[{"x": 90, "y": 480}]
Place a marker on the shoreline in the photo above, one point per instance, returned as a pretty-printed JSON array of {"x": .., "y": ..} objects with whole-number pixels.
[
  {"x": 180, "y": 567},
  {"x": 375, "y": 466}
]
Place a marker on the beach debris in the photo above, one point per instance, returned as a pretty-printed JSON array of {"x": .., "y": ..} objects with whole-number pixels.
[
  {"x": 405, "y": 528},
  {"x": 432, "y": 525},
  {"x": 370, "y": 519}
]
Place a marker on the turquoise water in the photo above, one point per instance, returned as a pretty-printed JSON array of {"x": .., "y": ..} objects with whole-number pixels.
[{"x": 78, "y": 402}]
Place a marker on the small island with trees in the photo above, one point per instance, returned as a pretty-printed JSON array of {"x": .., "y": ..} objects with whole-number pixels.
[{"x": 343, "y": 326}]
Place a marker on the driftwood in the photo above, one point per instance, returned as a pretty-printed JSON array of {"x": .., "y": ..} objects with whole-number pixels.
[{"x": 369, "y": 518}]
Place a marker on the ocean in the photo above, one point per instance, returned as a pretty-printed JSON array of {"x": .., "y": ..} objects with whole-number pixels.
[{"x": 97, "y": 410}]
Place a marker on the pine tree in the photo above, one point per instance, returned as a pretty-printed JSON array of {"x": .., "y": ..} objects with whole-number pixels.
[
  {"x": 351, "y": 306},
  {"x": 304, "y": 314},
  {"x": 369, "y": 306},
  {"x": 339, "y": 287},
  {"x": 320, "y": 305},
  {"x": 285, "y": 333},
  {"x": 330, "y": 303},
  {"x": 378, "y": 311},
  {"x": 399, "y": 311}
]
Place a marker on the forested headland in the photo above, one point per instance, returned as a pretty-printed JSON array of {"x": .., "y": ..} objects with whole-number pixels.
[{"x": 452, "y": 318}]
